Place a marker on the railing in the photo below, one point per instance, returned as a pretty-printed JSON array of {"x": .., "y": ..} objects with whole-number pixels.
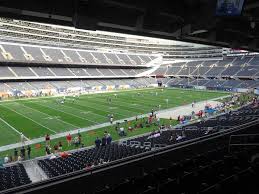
[{"x": 243, "y": 140}]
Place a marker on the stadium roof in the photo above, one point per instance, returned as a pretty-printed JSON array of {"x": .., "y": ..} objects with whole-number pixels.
[{"x": 186, "y": 20}]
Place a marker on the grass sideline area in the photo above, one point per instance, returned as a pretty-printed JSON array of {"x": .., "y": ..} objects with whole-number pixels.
[
  {"x": 89, "y": 137},
  {"x": 38, "y": 116}
]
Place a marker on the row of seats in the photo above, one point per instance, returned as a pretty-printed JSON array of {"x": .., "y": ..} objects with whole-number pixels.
[
  {"x": 47, "y": 34},
  {"x": 13, "y": 176},
  {"x": 39, "y": 54},
  {"x": 231, "y": 66},
  {"x": 41, "y": 72},
  {"x": 211, "y": 83},
  {"x": 216, "y": 171},
  {"x": 87, "y": 158},
  {"x": 83, "y": 84}
]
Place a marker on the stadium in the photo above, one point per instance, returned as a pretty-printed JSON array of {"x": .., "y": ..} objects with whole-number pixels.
[{"x": 104, "y": 108}]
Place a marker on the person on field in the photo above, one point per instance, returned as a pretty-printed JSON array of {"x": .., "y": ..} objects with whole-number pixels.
[
  {"x": 108, "y": 139},
  {"x": 22, "y": 151},
  {"x": 104, "y": 141},
  {"x": 97, "y": 142},
  {"x": 47, "y": 150},
  {"x": 55, "y": 148},
  {"x": 29, "y": 152},
  {"x": 23, "y": 139},
  {"x": 6, "y": 159},
  {"x": 111, "y": 118},
  {"x": 79, "y": 138},
  {"x": 60, "y": 146},
  {"x": 69, "y": 139},
  {"x": 47, "y": 139},
  {"x": 15, "y": 154}
]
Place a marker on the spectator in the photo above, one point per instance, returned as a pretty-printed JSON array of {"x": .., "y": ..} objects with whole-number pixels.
[
  {"x": 97, "y": 142},
  {"x": 179, "y": 137},
  {"x": 121, "y": 132},
  {"x": 47, "y": 150},
  {"x": 15, "y": 154},
  {"x": 47, "y": 140},
  {"x": 158, "y": 120},
  {"x": 88, "y": 166},
  {"x": 60, "y": 146},
  {"x": 22, "y": 139},
  {"x": 6, "y": 159},
  {"x": 79, "y": 139},
  {"x": 79, "y": 134},
  {"x": 55, "y": 148},
  {"x": 19, "y": 158},
  {"x": 29, "y": 152},
  {"x": 52, "y": 156},
  {"x": 109, "y": 139},
  {"x": 76, "y": 141},
  {"x": 69, "y": 139},
  {"x": 10, "y": 159},
  {"x": 104, "y": 141},
  {"x": 22, "y": 152}
]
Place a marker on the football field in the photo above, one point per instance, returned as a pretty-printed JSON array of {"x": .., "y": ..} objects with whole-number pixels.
[{"x": 40, "y": 116}]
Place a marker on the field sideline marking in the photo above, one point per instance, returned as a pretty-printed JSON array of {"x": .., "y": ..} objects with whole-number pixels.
[
  {"x": 49, "y": 115},
  {"x": 69, "y": 113},
  {"x": 28, "y": 118},
  {"x": 13, "y": 128}
]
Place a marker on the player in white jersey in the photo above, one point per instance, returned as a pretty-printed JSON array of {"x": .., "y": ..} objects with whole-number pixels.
[{"x": 166, "y": 100}]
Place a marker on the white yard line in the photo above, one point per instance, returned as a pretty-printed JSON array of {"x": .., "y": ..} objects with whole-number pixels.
[
  {"x": 99, "y": 110},
  {"x": 123, "y": 107},
  {"x": 68, "y": 113},
  {"x": 50, "y": 116},
  {"x": 108, "y": 106},
  {"x": 29, "y": 119},
  {"x": 13, "y": 128},
  {"x": 80, "y": 110}
]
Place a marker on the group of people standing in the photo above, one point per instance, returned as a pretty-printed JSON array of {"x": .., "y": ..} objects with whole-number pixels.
[
  {"x": 105, "y": 140},
  {"x": 19, "y": 155}
]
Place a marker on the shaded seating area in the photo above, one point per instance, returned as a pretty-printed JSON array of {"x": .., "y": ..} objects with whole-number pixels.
[
  {"x": 216, "y": 171},
  {"x": 87, "y": 159},
  {"x": 13, "y": 176}
]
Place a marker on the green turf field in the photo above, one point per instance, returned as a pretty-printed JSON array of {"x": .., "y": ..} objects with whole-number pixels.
[{"x": 39, "y": 116}]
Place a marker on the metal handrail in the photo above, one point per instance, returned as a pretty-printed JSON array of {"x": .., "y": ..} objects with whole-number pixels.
[{"x": 241, "y": 144}]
